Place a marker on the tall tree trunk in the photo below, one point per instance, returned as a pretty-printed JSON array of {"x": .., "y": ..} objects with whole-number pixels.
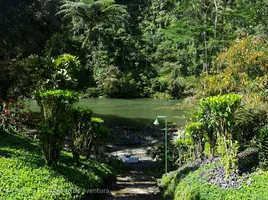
[{"x": 216, "y": 19}]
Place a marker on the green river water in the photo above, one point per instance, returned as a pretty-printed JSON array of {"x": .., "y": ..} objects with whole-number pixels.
[{"x": 132, "y": 112}]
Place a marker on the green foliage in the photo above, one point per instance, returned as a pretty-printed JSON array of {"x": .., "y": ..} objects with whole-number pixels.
[
  {"x": 247, "y": 55},
  {"x": 54, "y": 104},
  {"x": 190, "y": 185},
  {"x": 91, "y": 93},
  {"x": 162, "y": 95},
  {"x": 86, "y": 132},
  {"x": 248, "y": 122},
  {"x": 161, "y": 43},
  {"x": 100, "y": 134},
  {"x": 218, "y": 112},
  {"x": 13, "y": 116},
  {"x": 61, "y": 73},
  {"x": 242, "y": 68},
  {"x": 218, "y": 115},
  {"x": 79, "y": 128},
  {"x": 24, "y": 33},
  {"x": 196, "y": 131},
  {"x": 227, "y": 151},
  {"x": 24, "y": 176},
  {"x": 170, "y": 81},
  {"x": 222, "y": 83},
  {"x": 263, "y": 146},
  {"x": 184, "y": 146},
  {"x": 108, "y": 81}
]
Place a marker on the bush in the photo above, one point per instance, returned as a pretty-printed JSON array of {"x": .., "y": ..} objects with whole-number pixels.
[
  {"x": 54, "y": 104},
  {"x": 218, "y": 115},
  {"x": 86, "y": 132},
  {"x": 91, "y": 93},
  {"x": 162, "y": 95},
  {"x": 100, "y": 134},
  {"x": 80, "y": 129},
  {"x": 13, "y": 115},
  {"x": 196, "y": 131},
  {"x": 248, "y": 122},
  {"x": 184, "y": 147},
  {"x": 263, "y": 146}
]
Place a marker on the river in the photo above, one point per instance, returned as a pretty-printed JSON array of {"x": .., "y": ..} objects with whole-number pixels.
[{"x": 132, "y": 112}]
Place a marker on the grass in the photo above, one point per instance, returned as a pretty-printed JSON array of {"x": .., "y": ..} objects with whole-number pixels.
[
  {"x": 188, "y": 185},
  {"x": 23, "y": 174}
]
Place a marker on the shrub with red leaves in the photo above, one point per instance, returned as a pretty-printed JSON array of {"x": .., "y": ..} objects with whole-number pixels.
[{"x": 13, "y": 115}]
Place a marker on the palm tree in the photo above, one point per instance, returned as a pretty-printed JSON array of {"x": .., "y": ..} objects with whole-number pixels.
[{"x": 90, "y": 16}]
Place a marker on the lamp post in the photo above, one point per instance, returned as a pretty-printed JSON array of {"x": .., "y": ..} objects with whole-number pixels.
[{"x": 156, "y": 122}]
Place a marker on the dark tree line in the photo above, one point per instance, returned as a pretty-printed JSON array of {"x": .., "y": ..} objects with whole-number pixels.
[{"x": 146, "y": 48}]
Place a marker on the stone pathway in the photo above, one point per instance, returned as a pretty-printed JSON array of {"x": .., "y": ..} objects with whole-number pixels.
[{"x": 134, "y": 183}]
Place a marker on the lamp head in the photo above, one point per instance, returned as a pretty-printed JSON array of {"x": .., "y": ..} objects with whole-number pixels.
[{"x": 156, "y": 122}]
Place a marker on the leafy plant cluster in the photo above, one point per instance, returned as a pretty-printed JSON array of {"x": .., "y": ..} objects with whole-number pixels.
[
  {"x": 53, "y": 104},
  {"x": 216, "y": 127},
  {"x": 192, "y": 184},
  {"x": 87, "y": 132},
  {"x": 13, "y": 115},
  {"x": 61, "y": 119},
  {"x": 221, "y": 131}
]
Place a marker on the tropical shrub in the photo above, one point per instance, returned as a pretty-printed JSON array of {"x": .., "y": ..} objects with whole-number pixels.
[
  {"x": 80, "y": 129},
  {"x": 245, "y": 56},
  {"x": 86, "y": 132},
  {"x": 263, "y": 146},
  {"x": 197, "y": 133},
  {"x": 108, "y": 80},
  {"x": 91, "y": 93},
  {"x": 63, "y": 72},
  {"x": 221, "y": 83},
  {"x": 100, "y": 135},
  {"x": 218, "y": 113},
  {"x": 184, "y": 147},
  {"x": 55, "y": 105},
  {"x": 248, "y": 122},
  {"x": 13, "y": 115},
  {"x": 227, "y": 151}
]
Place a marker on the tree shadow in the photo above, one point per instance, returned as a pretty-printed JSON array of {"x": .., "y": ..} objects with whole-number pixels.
[
  {"x": 5, "y": 153},
  {"x": 115, "y": 120},
  {"x": 16, "y": 141},
  {"x": 79, "y": 173}
]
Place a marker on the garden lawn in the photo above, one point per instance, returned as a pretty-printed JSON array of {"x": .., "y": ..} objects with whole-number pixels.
[
  {"x": 190, "y": 186},
  {"x": 23, "y": 174}
]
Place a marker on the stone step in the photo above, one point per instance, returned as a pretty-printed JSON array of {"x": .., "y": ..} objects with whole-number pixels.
[{"x": 134, "y": 185}]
